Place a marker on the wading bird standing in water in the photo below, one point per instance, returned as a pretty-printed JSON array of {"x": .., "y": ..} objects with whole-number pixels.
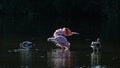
[
  {"x": 59, "y": 37},
  {"x": 95, "y": 55},
  {"x": 26, "y": 45},
  {"x": 96, "y": 45}
]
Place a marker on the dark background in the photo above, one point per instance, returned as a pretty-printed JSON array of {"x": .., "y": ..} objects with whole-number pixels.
[{"x": 37, "y": 20}]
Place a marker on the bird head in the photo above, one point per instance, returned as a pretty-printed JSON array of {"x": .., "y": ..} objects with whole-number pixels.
[{"x": 68, "y": 32}]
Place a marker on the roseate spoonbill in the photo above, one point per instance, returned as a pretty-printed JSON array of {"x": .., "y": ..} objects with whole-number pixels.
[
  {"x": 59, "y": 37},
  {"x": 26, "y": 44},
  {"x": 96, "y": 45}
]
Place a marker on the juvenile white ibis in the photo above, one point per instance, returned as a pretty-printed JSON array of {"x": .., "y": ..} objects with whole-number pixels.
[
  {"x": 59, "y": 37},
  {"x": 96, "y": 45}
]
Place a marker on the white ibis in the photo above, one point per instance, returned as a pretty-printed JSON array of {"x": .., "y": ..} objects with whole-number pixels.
[
  {"x": 96, "y": 45},
  {"x": 59, "y": 37}
]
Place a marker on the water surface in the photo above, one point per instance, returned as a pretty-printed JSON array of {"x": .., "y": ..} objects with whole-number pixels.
[{"x": 42, "y": 57}]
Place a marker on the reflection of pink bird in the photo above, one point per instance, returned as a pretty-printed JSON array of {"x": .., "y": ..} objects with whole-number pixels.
[{"x": 59, "y": 37}]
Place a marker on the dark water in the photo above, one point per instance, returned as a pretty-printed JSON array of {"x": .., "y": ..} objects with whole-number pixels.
[{"x": 57, "y": 58}]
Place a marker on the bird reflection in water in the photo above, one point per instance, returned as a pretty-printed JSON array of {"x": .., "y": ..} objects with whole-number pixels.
[
  {"x": 25, "y": 54},
  {"x": 59, "y": 58},
  {"x": 95, "y": 55},
  {"x": 95, "y": 58}
]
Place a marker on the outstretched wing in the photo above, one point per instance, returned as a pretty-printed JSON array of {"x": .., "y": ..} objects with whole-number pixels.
[{"x": 62, "y": 41}]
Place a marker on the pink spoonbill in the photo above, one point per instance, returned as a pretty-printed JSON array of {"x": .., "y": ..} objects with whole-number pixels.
[{"x": 59, "y": 37}]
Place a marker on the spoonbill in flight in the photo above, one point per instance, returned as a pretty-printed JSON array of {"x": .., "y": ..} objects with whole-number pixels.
[{"x": 59, "y": 37}]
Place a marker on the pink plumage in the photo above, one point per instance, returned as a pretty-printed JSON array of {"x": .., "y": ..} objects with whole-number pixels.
[{"x": 59, "y": 37}]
